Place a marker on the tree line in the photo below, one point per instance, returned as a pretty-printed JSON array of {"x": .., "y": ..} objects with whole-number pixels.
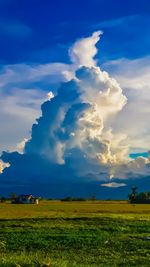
[{"x": 142, "y": 197}]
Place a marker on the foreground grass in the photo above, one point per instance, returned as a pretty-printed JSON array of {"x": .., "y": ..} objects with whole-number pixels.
[{"x": 75, "y": 234}]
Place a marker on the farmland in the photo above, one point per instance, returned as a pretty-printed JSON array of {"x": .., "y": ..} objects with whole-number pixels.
[{"x": 79, "y": 234}]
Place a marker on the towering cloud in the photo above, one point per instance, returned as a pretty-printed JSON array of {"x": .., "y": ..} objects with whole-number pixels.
[
  {"x": 75, "y": 119},
  {"x": 73, "y": 140}
]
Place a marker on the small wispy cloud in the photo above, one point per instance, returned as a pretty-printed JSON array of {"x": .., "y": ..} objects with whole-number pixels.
[{"x": 113, "y": 185}]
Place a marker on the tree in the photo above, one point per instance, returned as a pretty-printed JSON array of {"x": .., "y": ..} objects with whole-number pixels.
[
  {"x": 133, "y": 194},
  {"x": 142, "y": 197},
  {"x": 2, "y": 199}
]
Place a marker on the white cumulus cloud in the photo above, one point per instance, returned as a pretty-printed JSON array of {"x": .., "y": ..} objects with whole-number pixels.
[
  {"x": 3, "y": 165},
  {"x": 83, "y": 51}
]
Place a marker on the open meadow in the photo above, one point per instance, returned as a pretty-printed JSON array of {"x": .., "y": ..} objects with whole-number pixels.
[{"x": 75, "y": 234}]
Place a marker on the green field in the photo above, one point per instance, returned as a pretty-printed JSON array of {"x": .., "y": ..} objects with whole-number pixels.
[{"x": 69, "y": 234}]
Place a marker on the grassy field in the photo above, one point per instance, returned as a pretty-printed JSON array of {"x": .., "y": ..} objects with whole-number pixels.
[{"x": 74, "y": 234}]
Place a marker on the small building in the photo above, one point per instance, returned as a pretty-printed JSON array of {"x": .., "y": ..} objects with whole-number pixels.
[{"x": 25, "y": 199}]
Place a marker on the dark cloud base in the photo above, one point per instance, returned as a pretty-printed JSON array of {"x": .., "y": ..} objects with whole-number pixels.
[{"x": 57, "y": 181}]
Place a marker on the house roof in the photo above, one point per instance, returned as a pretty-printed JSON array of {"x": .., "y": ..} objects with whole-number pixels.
[{"x": 25, "y": 196}]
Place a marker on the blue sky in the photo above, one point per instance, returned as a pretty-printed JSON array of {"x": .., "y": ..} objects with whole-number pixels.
[
  {"x": 92, "y": 120},
  {"x": 42, "y": 31}
]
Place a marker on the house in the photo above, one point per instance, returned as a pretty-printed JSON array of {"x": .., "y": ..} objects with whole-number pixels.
[{"x": 25, "y": 199}]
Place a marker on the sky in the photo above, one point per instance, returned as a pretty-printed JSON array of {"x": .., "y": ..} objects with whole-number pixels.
[{"x": 74, "y": 92}]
